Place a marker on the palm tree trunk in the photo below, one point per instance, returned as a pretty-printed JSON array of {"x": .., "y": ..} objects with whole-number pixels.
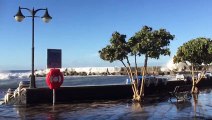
[
  {"x": 131, "y": 78},
  {"x": 141, "y": 94},
  {"x": 202, "y": 75},
  {"x": 136, "y": 72},
  {"x": 193, "y": 79},
  {"x": 138, "y": 83},
  {"x": 136, "y": 97},
  {"x": 144, "y": 71},
  {"x": 145, "y": 63}
]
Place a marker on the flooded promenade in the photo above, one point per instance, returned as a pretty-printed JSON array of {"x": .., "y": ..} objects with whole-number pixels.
[{"x": 151, "y": 108}]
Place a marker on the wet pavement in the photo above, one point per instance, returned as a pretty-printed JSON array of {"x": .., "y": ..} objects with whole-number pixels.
[
  {"x": 116, "y": 110},
  {"x": 151, "y": 108}
]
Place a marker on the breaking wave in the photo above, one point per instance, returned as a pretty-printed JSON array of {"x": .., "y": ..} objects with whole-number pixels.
[
  {"x": 24, "y": 74},
  {"x": 14, "y": 74}
]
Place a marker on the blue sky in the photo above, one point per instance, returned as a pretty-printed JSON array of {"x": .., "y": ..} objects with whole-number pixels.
[{"x": 82, "y": 27}]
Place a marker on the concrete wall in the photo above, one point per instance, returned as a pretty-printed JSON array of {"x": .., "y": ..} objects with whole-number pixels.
[
  {"x": 108, "y": 92},
  {"x": 77, "y": 94}
]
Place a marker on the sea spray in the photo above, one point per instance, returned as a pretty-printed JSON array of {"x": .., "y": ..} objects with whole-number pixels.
[
  {"x": 171, "y": 66},
  {"x": 6, "y": 75},
  {"x": 24, "y": 74}
]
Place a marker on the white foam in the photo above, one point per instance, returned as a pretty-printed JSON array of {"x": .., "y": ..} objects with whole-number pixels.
[
  {"x": 96, "y": 70},
  {"x": 170, "y": 66},
  {"x": 5, "y": 75}
]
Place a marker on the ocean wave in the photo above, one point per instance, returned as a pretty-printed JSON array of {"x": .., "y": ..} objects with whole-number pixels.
[
  {"x": 22, "y": 74},
  {"x": 17, "y": 75}
]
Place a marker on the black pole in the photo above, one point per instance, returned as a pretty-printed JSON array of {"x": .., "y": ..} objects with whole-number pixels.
[
  {"x": 32, "y": 82},
  {"x": 33, "y": 12}
]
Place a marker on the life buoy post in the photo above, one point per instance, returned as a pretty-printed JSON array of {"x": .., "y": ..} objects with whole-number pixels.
[{"x": 54, "y": 79}]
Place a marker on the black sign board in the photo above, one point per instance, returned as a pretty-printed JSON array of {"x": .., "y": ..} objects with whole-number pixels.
[{"x": 54, "y": 58}]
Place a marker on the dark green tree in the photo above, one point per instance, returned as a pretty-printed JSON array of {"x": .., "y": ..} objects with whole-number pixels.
[
  {"x": 119, "y": 50},
  {"x": 150, "y": 43},
  {"x": 196, "y": 51},
  {"x": 146, "y": 42}
]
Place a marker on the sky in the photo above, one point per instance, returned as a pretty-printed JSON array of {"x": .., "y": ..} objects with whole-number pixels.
[{"x": 80, "y": 28}]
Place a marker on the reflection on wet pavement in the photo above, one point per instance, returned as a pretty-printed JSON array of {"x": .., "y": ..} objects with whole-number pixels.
[{"x": 112, "y": 110}]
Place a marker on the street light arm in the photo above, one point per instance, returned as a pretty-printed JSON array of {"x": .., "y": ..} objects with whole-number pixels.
[
  {"x": 26, "y": 9},
  {"x": 31, "y": 16},
  {"x": 39, "y": 10},
  {"x": 33, "y": 12}
]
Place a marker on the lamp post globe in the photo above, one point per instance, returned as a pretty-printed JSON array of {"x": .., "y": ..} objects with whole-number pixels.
[
  {"x": 46, "y": 17},
  {"x": 19, "y": 16}
]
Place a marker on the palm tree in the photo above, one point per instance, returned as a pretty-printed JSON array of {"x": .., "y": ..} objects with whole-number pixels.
[
  {"x": 145, "y": 42},
  {"x": 152, "y": 44},
  {"x": 119, "y": 50},
  {"x": 196, "y": 51}
]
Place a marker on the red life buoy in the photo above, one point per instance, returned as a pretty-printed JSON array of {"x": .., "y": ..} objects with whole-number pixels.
[{"x": 54, "y": 78}]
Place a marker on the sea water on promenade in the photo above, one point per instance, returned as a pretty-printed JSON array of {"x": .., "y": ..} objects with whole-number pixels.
[
  {"x": 11, "y": 79},
  {"x": 114, "y": 110},
  {"x": 120, "y": 109}
]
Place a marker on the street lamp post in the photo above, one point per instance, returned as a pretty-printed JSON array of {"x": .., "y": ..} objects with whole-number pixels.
[{"x": 46, "y": 18}]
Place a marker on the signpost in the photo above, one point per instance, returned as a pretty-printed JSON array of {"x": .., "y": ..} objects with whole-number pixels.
[
  {"x": 54, "y": 78},
  {"x": 54, "y": 58}
]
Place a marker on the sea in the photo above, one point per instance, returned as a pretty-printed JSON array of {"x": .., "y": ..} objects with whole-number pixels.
[{"x": 125, "y": 109}]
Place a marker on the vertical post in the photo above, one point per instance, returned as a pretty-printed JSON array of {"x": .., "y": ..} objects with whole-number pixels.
[
  {"x": 32, "y": 82},
  {"x": 53, "y": 97}
]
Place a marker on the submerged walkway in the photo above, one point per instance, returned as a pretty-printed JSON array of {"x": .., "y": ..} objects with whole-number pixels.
[{"x": 112, "y": 110}]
